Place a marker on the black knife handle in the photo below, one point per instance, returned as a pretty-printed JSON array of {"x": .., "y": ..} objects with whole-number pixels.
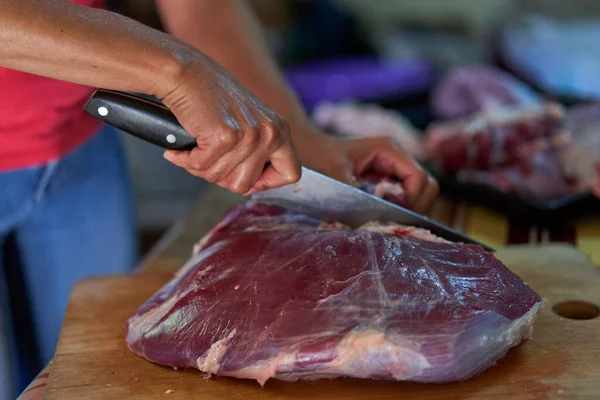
[{"x": 140, "y": 116}]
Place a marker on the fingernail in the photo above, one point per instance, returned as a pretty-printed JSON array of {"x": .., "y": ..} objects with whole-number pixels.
[{"x": 250, "y": 192}]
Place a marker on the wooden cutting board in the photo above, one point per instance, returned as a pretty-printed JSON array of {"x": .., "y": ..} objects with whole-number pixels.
[{"x": 562, "y": 360}]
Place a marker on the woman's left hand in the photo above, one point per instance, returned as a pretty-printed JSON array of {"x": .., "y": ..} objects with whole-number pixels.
[{"x": 345, "y": 159}]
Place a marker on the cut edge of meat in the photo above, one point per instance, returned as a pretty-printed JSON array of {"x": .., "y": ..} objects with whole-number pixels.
[
  {"x": 393, "y": 228},
  {"x": 374, "y": 226},
  {"x": 368, "y": 341}
]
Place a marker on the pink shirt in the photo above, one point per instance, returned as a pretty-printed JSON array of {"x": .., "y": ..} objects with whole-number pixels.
[{"x": 42, "y": 119}]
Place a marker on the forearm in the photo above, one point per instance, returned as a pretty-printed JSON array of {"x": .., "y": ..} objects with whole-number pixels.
[
  {"x": 65, "y": 41},
  {"x": 228, "y": 32}
]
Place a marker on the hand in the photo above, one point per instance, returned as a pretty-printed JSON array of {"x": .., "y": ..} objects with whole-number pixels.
[
  {"x": 236, "y": 134},
  {"x": 344, "y": 159}
]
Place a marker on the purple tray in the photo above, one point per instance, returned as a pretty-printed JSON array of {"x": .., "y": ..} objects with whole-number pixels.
[{"x": 361, "y": 79}]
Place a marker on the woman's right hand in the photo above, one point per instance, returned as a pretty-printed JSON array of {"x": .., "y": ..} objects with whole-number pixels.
[{"x": 235, "y": 132}]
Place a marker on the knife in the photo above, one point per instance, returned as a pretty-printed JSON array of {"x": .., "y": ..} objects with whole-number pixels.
[
  {"x": 330, "y": 200},
  {"x": 315, "y": 195},
  {"x": 145, "y": 117}
]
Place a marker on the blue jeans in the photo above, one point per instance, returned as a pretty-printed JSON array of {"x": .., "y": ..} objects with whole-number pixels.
[{"x": 71, "y": 219}]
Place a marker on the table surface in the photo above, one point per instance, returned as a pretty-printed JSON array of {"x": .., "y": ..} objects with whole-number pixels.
[{"x": 484, "y": 225}]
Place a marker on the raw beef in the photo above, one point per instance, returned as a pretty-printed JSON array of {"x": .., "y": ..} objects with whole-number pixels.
[
  {"x": 468, "y": 90},
  {"x": 492, "y": 138},
  {"x": 518, "y": 150},
  {"x": 275, "y": 294},
  {"x": 539, "y": 176},
  {"x": 581, "y": 158},
  {"x": 384, "y": 186}
]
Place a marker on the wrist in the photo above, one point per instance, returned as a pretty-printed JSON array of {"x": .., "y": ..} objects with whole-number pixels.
[
  {"x": 306, "y": 137},
  {"x": 169, "y": 68}
]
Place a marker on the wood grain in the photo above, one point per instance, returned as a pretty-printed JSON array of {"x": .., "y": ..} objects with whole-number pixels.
[{"x": 562, "y": 361}]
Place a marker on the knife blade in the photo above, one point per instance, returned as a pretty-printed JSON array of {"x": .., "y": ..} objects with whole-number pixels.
[{"x": 330, "y": 200}]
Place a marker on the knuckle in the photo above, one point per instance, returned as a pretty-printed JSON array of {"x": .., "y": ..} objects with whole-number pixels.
[
  {"x": 195, "y": 173},
  {"x": 240, "y": 187},
  {"x": 293, "y": 176},
  {"x": 270, "y": 133},
  {"x": 252, "y": 136},
  {"x": 212, "y": 175},
  {"x": 197, "y": 164},
  {"x": 197, "y": 159},
  {"x": 226, "y": 137}
]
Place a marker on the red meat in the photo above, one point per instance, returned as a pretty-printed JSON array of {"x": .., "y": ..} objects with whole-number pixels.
[
  {"x": 383, "y": 186},
  {"x": 271, "y": 293},
  {"x": 539, "y": 177},
  {"x": 517, "y": 150},
  {"x": 492, "y": 139},
  {"x": 468, "y": 90}
]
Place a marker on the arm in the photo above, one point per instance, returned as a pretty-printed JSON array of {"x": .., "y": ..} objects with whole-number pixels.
[
  {"x": 65, "y": 41},
  {"x": 235, "y": 132},
  {"x": 228, "y": 31}
]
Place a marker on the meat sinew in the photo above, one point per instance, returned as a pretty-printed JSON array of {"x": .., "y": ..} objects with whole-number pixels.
[{"x": 274, "y": 294}]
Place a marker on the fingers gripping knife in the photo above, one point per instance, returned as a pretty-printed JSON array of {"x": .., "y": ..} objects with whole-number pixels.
[{"x": 315, "y": 194}]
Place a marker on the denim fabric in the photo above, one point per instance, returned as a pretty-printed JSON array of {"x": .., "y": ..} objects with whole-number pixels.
[{"x": 72, "y": 218}]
